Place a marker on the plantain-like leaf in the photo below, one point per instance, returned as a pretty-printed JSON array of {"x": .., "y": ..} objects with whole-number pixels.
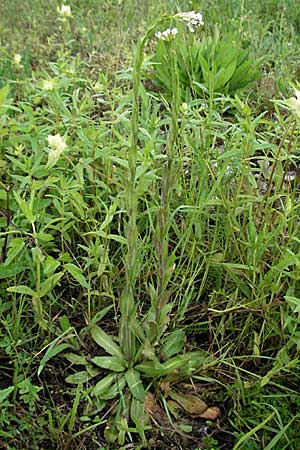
[
  {"x": 80, "y": 377},
  {"x": 76, "y": 359},
  {"x": 173, "y": 344},
  {"x": 52, "y": 351},
  {"x": 104, "y": 384},
  {"x": 187, "y": 364},
  {"x": 138, "y": 416},
  {"x": 152, "y": 369},
  {"x": 106, "y": 342},
  {"x": 110, "y": 362},
  {"x": 135, "y": 384},
  {"x": 115, "y": 389}
]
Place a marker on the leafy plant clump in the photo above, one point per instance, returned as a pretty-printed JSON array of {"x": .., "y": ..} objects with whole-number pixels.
[
  {"x": 206, "y": 65},
  {"x": 149, "y": 244}
]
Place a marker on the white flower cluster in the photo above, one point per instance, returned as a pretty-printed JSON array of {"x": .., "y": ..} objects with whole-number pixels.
[
  {"x": 167, "y": 35},
  {"x": 57, "y": 145},
  {"x": 294, "y": 102},
  {"x": 192, "y": 19},
  {"x": 56, "y": 142},
  {"x": 48, "y": 85},
  {"x": 64, "y": 11},
  {"x": 17, "y": 59}
]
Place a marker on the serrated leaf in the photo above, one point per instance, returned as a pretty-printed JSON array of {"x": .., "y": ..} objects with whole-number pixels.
[
  {"x": 106, "y": 342},
  {"x": 76, "y": 273},
  {"x": 135, "y": 384},
  {"x": 50, "y": 353},
  {"x": 5, "y": 393},
  {"x": 25, "y": 290},
  {"x": 110, "y": 362}
]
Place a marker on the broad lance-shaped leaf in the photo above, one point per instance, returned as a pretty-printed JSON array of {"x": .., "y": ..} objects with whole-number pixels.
[
  {"x": 80, "y": 377},
  {"x": 52, "y": 351},
  {"x": 15, "y": 247},
  {"x": 106, "y": 342},
  {"x": 25, "y": 290},
  {"x": 115, "y": 389},
  {"x": 137, "y": 414},
  {"x": 4, "y": 393},
  {"x": 76, "y": 359},
  {"x": 112, "y": 363},
  {"x": 104, "y": 384},
  {"x": 187, "y": 362},
  {"x": 173, "y": 344},
  {"x": 76, "y": 273},
  {"x": 50, "y": 283},
  {"x": 135, "y": 384}
]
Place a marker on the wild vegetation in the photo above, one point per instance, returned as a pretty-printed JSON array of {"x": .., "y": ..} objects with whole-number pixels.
[{"x": 149, "y": 224}]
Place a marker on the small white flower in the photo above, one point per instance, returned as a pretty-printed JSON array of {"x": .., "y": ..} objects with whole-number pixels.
[
  {"x": 48, "y": 85},
  {"x": 56, "y": 142},
  {"x": 192, "y": 19},
  {"x": 294, "y": 102},
  {"x": 64, "y": 11},
  {"x": 57, "y": 146},
  {"x": 17, "y": 59},
  {"x": 184, "y": 108},
  {"x": 167, "y": 35}
]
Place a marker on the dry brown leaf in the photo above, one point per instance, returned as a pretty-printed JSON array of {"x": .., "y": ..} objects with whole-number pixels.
[
  {"x": 211, "y": 413},
  {"x": 153, "y": 409},
  {"x": 165, "y": 388},
  {"x": 189, "y": 402}
]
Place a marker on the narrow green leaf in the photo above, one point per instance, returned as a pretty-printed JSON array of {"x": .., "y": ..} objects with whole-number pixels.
[
  {"x": 137, "y": 413},
  {"x": 110, "y": 362},
  {"x": 152, "y": 369},
  {"x": 25, "y": 290},
  {"x": 115, "y": 389},
  {"x": 106, "y": 342},
  {"x": 76, "y": 273},
  {"x": 174, "y": 343},
  {"x": 76, "y": 359},
  {"x": 15, "y": 247},
  {"x": 79, "y": 377},
  {"x": 49, "y": 284},
  {"x": 14, "y": 269},
  {"x": 135, "y": 384},
  {"x": 104, "y": 384},
  {"x": 50, "y": 353},
  {"x": 25, "y": 208},
  {"x": 5, "y": 393}
]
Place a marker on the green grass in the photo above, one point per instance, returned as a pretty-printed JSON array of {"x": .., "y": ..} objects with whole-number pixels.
[{"x": 152, "y": 264}]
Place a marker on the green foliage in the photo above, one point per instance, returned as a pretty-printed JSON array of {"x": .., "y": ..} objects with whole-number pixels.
[
  {"x": 206, "y": 65},
  {"x": 149, "y": 250}
]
